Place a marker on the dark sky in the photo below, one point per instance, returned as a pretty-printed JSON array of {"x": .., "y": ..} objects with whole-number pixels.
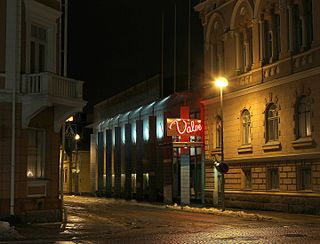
[{"x": 115, "y": 44}]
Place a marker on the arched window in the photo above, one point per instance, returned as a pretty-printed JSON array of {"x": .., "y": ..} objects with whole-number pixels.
[
  {"x": 246, "y": 125},
  {"x": 218, "y": 132},
  {"x": 272, "y": 121},
  {"x": 303, "y": 117}
]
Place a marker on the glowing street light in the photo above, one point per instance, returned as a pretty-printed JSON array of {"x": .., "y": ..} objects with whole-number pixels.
[
  {"x": 77, "y": 137},
  {"x": 222, "y": 82}
]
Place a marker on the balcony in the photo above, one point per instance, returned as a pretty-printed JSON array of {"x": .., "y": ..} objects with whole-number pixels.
[
  {"x": 51, "y": 85},
  {"x": 42, "y": 90}
]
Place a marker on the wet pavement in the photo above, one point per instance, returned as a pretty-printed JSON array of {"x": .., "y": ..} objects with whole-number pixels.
[{"x": 100, "y": 220}]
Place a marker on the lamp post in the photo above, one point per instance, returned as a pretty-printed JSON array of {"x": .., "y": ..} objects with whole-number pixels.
[
  {"x": 76, "y": 138},
  {"x": 222, "y": 82}
]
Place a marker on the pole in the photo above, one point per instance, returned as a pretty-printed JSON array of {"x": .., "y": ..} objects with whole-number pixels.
[
  {"x": 189, "y": 34},
  {"x": 61, "y": 165},
  {"x": 222, "y": 150},
  {"x": 162, "y": 50},
  {"x": 174, "y": 48}
]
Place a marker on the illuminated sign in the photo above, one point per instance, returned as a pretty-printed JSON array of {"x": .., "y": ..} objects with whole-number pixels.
[{"x": 186, "y": 127}]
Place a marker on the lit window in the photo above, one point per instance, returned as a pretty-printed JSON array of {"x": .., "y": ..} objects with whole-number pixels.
[
  {"x": 218, "y": 132},
  {"x": 246, "y": 123},
  {"x": 303, "y": 117},
  {"x": 272, "y": 121},
  {"x": 273, "y": 178},
  {"x": 304, "y": 178},
  {"x": 35, "y": 158}
]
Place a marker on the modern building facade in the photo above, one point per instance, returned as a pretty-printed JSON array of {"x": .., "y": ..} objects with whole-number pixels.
[
  {"x": 269, "y": 51},
  {"x": 35, "y": 99},
  {"x": 132, "y": 156}
]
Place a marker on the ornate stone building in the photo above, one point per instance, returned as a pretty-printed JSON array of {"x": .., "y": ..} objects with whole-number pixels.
[
  {"x": 270, "y": 53},
  {"x": 35, "y": 99}
]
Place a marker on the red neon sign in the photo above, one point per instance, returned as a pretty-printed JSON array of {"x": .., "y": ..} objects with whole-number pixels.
[{"x": 187, "y": 127}]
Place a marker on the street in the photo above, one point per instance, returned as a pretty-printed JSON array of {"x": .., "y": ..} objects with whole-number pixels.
[{"x": 100, "y": 220}]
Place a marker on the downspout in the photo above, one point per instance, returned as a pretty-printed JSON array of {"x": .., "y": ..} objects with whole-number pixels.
[
  {"x": 65, "y": 57},
  {"x": 64, "y": 73},
  {"x": 13, "y": 31}
]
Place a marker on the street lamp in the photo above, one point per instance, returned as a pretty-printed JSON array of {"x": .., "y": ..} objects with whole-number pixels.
[
  {"x": 76, "y": 138},
  {"x": 222, "y": 82}
]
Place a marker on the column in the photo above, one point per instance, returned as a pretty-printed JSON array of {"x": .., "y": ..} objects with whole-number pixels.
[
  {"x": 304, "y": 32},
  {"x": 255, "y": 44},
  {"x": 315, "y": 19},
  {"x": 100, "y": 163},
  {"x": 152, "y": 158},
  {"x": 216, "y": 187},
  {"x": 238, "y": 55},
  {"x": 284, "y": 30},
  {"x": 262, "y": 41},
  {"x": 128, "y": 160},
  {"x": 185, "y": 163},
  {"x": 139, "y": 159},
  {"x": 93, "y": 163},
  {"x": 291, "y": 31},
  {"x": 108, "y": 162},
  {"x": 117, "y": 162}
]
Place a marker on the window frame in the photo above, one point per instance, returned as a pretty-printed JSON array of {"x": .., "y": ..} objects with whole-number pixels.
[
  {"x": 301, "y": 178},
  {"x": 273, "y": 179},
  {"x": 36, "y": 166},
  {"x": 303, "y": 118},
  {"x": 246, "y": 127},
  {"x": 272, "y": 123}
]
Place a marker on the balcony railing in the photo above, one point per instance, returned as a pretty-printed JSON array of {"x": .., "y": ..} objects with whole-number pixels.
[{"x": 51, "y": 84}]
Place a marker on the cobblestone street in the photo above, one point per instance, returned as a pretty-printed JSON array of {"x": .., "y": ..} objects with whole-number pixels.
[{"x": 100, "y": 220}]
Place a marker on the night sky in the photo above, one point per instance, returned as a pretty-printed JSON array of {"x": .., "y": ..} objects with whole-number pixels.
[{"x": 115, "y": 44}]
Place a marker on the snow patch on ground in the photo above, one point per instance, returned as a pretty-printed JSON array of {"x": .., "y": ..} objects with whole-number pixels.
[
  {"x": 219, "y": 212},
  {"x": 8, "y": 232}
]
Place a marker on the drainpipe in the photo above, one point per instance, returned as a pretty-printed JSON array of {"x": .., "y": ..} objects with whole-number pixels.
[
  {"x": 13, "y": 29},
  {"x": 65, "y": 57}
]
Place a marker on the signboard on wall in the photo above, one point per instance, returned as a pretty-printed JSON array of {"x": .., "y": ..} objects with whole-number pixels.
[{"x": 183, "y": 127}]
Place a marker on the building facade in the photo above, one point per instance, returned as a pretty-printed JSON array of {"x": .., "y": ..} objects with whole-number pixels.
[
  {"x": 269, "y": 51},
  {"x": 35, "y": 99},
  {"x": 132, "y": 156}
]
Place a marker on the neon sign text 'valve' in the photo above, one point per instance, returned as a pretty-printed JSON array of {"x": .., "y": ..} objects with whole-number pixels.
[{"x": 178, "y": 127}]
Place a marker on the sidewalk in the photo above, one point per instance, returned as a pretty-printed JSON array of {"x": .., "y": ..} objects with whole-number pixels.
[{"x": 281, "y": 217}]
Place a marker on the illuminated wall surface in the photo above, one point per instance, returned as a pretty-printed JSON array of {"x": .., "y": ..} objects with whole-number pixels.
[{"x": 271, "y": 105}]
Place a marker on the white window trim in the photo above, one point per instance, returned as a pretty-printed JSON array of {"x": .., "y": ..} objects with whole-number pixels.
[{"x": 43, "y": 16}]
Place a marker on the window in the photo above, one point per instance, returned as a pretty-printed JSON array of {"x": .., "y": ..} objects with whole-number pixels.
[
  {"x": 246, "y": 123},
  {"x": 297, "y": 28},
  {"x": 277, "y": 34},
  {"x": 309, "y": 21},
  {"x": 65, "y": 175},
  {"x": 272, "y": 121},
  {"x": 35, "y": 158},
  {"x": 303, "y": 117},
  {"x": 273, "y": 179},
  {"x": 304, "y": 178},
  {"x": 218, "y": 132},
  {"x": 247, "y": 178},
  {"x": 269, "y": 47},
  {"x": 38, "y": 48}
]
